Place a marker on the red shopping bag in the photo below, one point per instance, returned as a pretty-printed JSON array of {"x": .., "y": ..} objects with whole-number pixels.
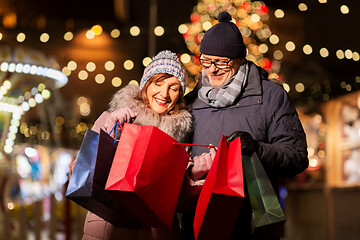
[
  {"x": 147, "y": 173},
  {"x": 222, "y": 195}
]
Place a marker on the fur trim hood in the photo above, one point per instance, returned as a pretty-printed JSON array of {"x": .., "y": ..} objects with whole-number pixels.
[{"x": 178, "y": 126}]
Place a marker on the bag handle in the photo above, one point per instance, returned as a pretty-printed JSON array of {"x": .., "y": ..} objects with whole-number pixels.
[
  {"x": 197, "y": 145},
  {"x": 191, "y": 144},
  {"x": 117, "y": 124}
]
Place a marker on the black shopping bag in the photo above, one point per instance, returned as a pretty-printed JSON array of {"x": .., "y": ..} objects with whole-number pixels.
[{"x": 87, "y": 182}]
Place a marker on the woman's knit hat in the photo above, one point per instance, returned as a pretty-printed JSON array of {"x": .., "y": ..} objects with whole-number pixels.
[
  {"x": 165, "y": 62},
  {"x": 223, "y": 39}
]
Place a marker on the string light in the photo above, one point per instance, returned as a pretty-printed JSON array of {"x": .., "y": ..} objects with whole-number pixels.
[{"x": 135, "y": 31}]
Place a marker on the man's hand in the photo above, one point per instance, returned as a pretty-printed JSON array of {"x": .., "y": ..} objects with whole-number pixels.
[{"x": 248, "y": 144}]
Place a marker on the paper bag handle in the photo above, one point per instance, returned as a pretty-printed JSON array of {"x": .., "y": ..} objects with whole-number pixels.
[
  {"x": 198, "y": 145},
  {"x": 117, "y": 124}
]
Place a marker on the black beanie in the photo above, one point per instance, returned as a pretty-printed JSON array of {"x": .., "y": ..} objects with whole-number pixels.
[{"x": 223, "y": 39}]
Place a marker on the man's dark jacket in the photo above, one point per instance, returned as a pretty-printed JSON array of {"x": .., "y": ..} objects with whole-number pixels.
[{"x": 264, "y": 110}]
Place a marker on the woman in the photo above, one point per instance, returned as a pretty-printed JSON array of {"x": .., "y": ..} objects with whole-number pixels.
[{"x": 158, "y": 101}]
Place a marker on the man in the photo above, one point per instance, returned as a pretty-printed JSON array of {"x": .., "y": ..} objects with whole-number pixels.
[{"x": 235, "y": 98}]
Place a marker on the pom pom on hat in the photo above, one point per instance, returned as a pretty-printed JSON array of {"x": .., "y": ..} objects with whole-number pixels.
[
  {"x": 224, "y": 17},
  {"x": 165, "y": 62},
  {"x": 223, "y": 39}
]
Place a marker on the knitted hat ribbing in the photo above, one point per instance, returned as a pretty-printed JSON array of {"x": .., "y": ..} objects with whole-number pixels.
[
  {"x": 223, "y": 39},
  {"x": 165, "y": 62}
]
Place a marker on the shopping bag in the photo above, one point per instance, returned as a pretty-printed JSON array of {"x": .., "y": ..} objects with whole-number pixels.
[
  {"x": 265, "y": 205},
  {"x": 147, "y": 173},
  {"x": 87, "y": 182},
  {"x": 222, "y": 194}
]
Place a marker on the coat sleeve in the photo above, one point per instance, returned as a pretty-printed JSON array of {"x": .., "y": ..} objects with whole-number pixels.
[{"x": 285, "y": 154}]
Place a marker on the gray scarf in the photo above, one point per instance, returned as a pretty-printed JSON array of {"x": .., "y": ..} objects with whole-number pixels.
[{"x": 226, "y": 94}]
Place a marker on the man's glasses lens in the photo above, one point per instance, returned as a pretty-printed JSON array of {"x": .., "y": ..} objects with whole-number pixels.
[{"x": 219, "y": 64}]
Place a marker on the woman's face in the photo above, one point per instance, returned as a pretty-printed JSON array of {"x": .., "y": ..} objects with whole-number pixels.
[{"x": 163, "y": 95}]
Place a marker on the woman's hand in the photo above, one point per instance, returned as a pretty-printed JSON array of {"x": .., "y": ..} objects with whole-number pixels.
[
  {"x": 107, "y": 120},
  {"x": 202, "y": 164},
  {"x": 123, "y": 115}
]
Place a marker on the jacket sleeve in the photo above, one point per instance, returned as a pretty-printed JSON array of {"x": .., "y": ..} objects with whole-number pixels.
[{"x": 285, "y": 154}]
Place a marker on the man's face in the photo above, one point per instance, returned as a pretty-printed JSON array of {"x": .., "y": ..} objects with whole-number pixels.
[{"x": 218, "y": 76}]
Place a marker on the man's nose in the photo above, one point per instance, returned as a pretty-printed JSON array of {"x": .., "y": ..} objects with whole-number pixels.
[{"x": 213, "y": 67}]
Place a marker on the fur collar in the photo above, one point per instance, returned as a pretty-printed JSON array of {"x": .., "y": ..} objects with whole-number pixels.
[{"x": 178, "y": 126}]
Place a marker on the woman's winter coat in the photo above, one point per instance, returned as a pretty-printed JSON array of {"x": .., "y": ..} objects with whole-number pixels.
[{"x": 177, "y": 125}]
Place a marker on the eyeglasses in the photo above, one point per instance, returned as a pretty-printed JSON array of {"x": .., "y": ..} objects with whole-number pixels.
[{"x": 218, "y": 64}]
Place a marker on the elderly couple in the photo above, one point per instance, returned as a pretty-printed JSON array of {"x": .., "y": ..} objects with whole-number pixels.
[{"x": 233, "y": 98}]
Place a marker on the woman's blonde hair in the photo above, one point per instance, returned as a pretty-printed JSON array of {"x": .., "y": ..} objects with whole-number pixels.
[{"x": 179, "y": 105}]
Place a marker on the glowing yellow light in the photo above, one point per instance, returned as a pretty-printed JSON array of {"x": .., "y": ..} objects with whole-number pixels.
[
  {"x": 313, "y": 162},
  {"x": 21, "y": 37},
  {"x": 206, "y": 25},
  {"x": 279, "y": 13},
  {"x": 278, "y": 55},
  {"x": 10, "y": 206},
  {"x": 9, "y": 20},
  {"x": 340, "y": 54},
  {"x": 72, "y": 65},
  {"x": 1, "y": 36},
  {"x": 344, "y": 9},
  {"x": 83, "y": 75},
  {"x": 348, "y": 54},
  {"x": 322, "y": 1},
  {"x": 90, "y": 66},
  {"x": 263, "y": 48},
  {"x": 84, "y": 109},
  {"x": 307, "y": 49},
  {"x": 182, "y": 28},
  {"x": 146, "y": 61},
  {"x": 348, "y": 88},
  {"x": 286, "y": 87},
  {"x": 290, "y": 46},
  {"x": 274, "y": 39},
  {"x": 7, "y": 84},
  {"x": 128, "y": 64},
  {"x": 99, "y": 78},
  {"x": 68, "y": 36},
  {"x": 299, "y": 87},
  {"x": 321, "y": 154},
  {"x": 133, "y": 82},
  {"x": 44, "y": 37},
  {"x": 324, "y": 52},
  {"x": 97, "y": 29},
  {"x": 116, "y": 82},
  {"x": 41, "y": 87},
  {"x": 135, "y": 31},
  {"x": 115, "y": 33},
  {"x": 32, "y": 102},
  {"x": 81, "y": 100},
  {"x": 356, "y": 56},
  {"x": 90, "y": 34},
  {"x": 255, "y": 18},
  {"x": 159, "y": 31},
  {"x": 303, "y": 7},
  {"x": 185, "y": 58},
  {"x": 59, "y": 121},
  {"x": 66, "y": 71},
  {"x": 109, "y": 65}
]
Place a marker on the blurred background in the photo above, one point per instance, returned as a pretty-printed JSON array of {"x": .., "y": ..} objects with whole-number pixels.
[{"x": 61, "y": 62}]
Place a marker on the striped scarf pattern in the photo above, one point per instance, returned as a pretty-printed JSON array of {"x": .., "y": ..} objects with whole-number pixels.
[{"x": 226, "y": 94}]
